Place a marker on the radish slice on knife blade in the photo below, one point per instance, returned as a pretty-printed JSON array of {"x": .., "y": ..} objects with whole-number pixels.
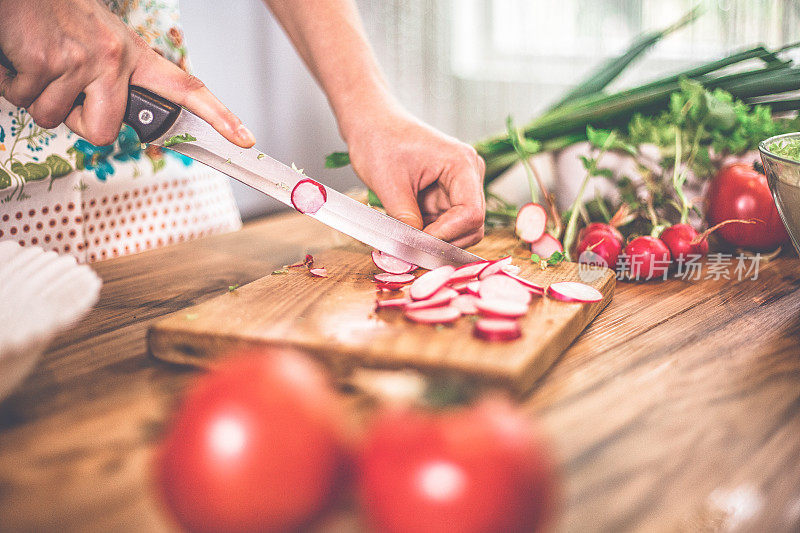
[
  {"x": 503, "y": 287},
  {"x": 494, "y": 267},
  {"x": 391, "y": 264},
  {"x": 434, "y": 315},
  {"x": 510, "y": 269},
  {"x": 531, "y": 222},
  {"x": 430, "y": 282},
  {"x": 572, "y": 291},
  {"x": 496, "y": 307},
  {"x": 497, "y": 329},
  {"x": 319, "y": 272},
  {"x": 442, "y": 297},
  {"x": 385, "y": 277},
  {"x": 308, "y": 196}
]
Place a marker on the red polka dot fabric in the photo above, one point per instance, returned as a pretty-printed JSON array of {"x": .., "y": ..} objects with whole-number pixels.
[{"x": 126, "y": 214}]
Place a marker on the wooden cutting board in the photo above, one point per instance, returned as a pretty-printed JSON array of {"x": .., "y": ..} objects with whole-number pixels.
[{"x": 335, "y": 320}]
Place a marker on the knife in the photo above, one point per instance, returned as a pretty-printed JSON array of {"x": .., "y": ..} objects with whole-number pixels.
[{"x": 156, "y": 120}]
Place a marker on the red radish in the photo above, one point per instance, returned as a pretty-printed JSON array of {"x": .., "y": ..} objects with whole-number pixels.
[
  {"x": 531, "y": 222},
  {"x": 600, "y": 226},
  {"x": 648, "y": 257},
  {"x": 391, "y": 264},
  {"x": 572, "y": 291},
  {"x": 466, "y": 304},
  {"x": 510, "y": 269},
  {"x": 430, "y": 282},
  {"x": 497, "y": 307},
  {"x": 442, "y": 297},
  {"x": 497, "y": 329},
  {"x": 319, "y": 272},
  {"x": 308, "y": 196},
  {"x": 536, "y": 287},
  {"x": 740, "y": 192},
  {"x": 494, "y": 267},
  {"x": 503, "y": 287},
  {"x": 385, "y": 277},
  {"x": 473, "y": 287},
  {"x": 392, "y": 303},
  {"x": 460, "y": 287},
  {"x": 546, "y": 246},
  {"x": 468, "y": 271},
  {"x": 433, "y": 315},
  {"x": 599, "y": 248},
  {"x": 678, "y": 239}
]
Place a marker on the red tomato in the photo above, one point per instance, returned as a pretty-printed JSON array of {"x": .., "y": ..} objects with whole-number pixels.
[
  {"x": 678, "y": 239},
  {"x": 647, "y": 258},
  {"x": 475, "y": 470},
  {"x": 740, "y": 192},
  {"x": 253, "y": 447}
]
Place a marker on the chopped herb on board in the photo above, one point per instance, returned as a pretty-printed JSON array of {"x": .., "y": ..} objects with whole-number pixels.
[
  {"x": 260, "y": 156},
  {"x": 280, "y": 271},
  {"x": 228, "y": 161},
  {"x": 192, "y": 316},
  {"x": 178, "y": 139},
  {"x": 232, "y": 288}
]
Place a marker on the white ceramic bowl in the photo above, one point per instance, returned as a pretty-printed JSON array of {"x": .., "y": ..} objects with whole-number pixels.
[{"x": 41, "y": 293}]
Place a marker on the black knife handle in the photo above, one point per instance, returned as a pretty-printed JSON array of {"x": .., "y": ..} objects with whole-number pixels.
[{"x": 148, "y": 114}]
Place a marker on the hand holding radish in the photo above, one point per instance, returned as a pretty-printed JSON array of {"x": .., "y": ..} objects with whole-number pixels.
[{"x": 423, "y": 177}]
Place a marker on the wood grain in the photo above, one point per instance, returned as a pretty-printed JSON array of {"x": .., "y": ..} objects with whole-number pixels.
[
  {"x": 334, "y": 319},
  {"x": 677, "y": 409}
]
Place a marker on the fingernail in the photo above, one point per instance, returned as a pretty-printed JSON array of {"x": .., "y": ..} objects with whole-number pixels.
[{"x": 245, "y": 136}]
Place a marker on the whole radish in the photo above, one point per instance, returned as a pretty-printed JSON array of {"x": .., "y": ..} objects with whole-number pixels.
[
  {"x": 741, "y": 192},
  {"x": 599, "y": 247},
  {"x": 600, "y": 226},
  {"x": 648, "y": 257},
  {"x": 678, "y": 239}
]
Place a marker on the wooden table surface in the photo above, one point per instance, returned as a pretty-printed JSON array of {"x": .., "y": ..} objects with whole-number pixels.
[{"x": 677, "y": 410}]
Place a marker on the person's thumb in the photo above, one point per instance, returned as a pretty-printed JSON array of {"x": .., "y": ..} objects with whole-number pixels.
[{"x": 404, "y": 207}]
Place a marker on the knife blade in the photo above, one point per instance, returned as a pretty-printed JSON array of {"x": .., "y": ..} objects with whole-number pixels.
[{"x": 158, "y": 120}]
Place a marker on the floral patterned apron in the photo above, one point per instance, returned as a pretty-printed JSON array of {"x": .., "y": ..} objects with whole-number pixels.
[{"x": 64, "y": 194}]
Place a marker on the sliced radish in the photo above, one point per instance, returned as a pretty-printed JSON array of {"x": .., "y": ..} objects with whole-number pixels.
[
  {"x": 468, "y": 271},
  {"x": 494, "y": 267},
  {"x": 385, "y": 277},
  {"x": 497, "y": 329},
  {"x": 430, "y": 282},
  {"x": 434, "y": 315},
  {"x": 308, "y": 196},
  {"x": 392, "y": 303},
  {"x": 391, "y": 264},
  {"x": 546, "y": 246},
  {"x": 503, "y": 287},
  {"x": 319, "y": 272},
  {"x": 442, "y": 297},
  {"x": 466, "y": 304},
  {"x": 460, "y": 287},
  {"x": 474, "y": 287},
  {"x": 389, "y": 286},
  {"x": 572, "y": 291},
  {"x": 496, "y": 307},
  {"x": 531, "y": 222},
  {"x": 526, "y": 282},
  {"x": 510, "y": 269}
]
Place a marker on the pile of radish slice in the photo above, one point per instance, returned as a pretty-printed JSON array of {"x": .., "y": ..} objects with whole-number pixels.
[{"x": 491, "y": 290}]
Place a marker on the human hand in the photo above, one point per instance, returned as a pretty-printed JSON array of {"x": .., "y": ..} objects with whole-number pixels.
[
  {"x": 422, "y": 176},
  {"x": 61, "y": 48}
]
